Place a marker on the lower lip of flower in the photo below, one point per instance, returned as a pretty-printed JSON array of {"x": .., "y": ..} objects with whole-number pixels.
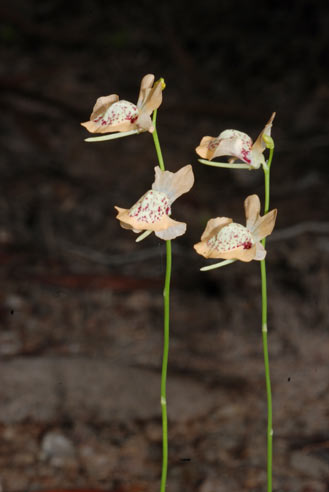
[
  {"x": 117, "y": 113},
  {"x": 151, "y": 207},
  {"x": 231, "y": 237}
]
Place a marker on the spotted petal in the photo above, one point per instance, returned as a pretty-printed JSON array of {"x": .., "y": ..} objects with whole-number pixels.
[
  {"x": 118, "y": 116},
  {"x": 229, "y": 143},
  {"x": 230, "y": 241}
]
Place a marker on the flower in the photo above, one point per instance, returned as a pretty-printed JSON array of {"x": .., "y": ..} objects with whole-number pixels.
[
  {"x": 111, "y": 114},
  {"x": 152, "y": 211},
  {"x": 236, "y": 144},
  {"x": 223, "y": 238}
]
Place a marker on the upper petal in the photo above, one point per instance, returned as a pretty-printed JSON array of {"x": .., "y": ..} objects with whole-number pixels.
[
  {"x": 153, "y": 98},
  {"x": 102, "y": 104},
  {"x": 213, "y": 227},
  {"x": 150, "y": 97},
  {"x": 259, "y": 144},
  {"x": 252, "y": 211},
  {"x": 146, "y": 83},
  {"x": 264, "y": 225},
  {"x": 173, "y": 184},
  {"x": 259, "y": 226}
]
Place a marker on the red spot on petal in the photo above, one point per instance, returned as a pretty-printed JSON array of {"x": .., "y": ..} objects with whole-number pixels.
[{"x": 247, "y": 245}]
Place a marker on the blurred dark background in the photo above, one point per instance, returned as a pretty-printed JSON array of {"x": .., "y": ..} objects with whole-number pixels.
[{"x": 80, "y": 301}]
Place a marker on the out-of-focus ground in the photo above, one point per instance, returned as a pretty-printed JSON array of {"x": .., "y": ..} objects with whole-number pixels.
[{"x": 81, "y": 302}]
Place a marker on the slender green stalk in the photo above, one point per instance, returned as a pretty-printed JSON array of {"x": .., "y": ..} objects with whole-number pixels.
[
  {"x": 156, "y": 142},
  {"x": 166, "y": 296},
  {"x": 264, "y": 335}
]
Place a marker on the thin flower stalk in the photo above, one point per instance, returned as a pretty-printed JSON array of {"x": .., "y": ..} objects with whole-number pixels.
[
  {"x": 264, "y": 333},
  {"x": 166, "y": 301}
]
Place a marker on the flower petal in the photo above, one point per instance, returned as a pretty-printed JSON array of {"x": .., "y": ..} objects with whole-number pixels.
[
  {"x": 153, "y": 98},
  {"x": 205, "y": 149},
  {"x": 225, "y": 239},
  {"x": 102, "y": 104},
  {"x": 149, "y": 99},
  {"x": 264, "y": 225},
  {"x": 214, "y": 226},
  {"x": 144, "y": 122},
  {"x": 173, "y": 184},
  {"x": 235, "y": 254},
  {"x": 142, "y": 225},
  {"x": 252, "y": 211},
  {"x": 118, "y": 116},
  {"x": 229, "y": 143},
  {"x": 175, "y": 230},
  {"x": 260, "y": 252},
  {"x": 146, "y": 84},
  {"x": 234, "y": 143},
  {"x": 259, "y": 145}
]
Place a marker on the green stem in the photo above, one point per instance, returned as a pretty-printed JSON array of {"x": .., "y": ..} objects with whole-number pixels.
[
  {"x": 166, "y": 296},
  {"x": 156, "y": 142},
  {"x": 264, "y": 336}
]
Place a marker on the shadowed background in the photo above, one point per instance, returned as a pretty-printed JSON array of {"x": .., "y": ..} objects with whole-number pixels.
[{"x": 81, "y": 303}]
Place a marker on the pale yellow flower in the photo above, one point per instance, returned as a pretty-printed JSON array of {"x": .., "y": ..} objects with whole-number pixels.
[
  {"x": 111, "y": 114},
  {"x": 228, "y": 240},
  {"x": 237, "y": 145},
  {"x": 152, "y": 211}
]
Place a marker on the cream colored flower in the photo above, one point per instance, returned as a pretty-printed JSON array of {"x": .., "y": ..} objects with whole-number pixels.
[
  {"x": 152, "y": 211},
  {"x": 237, "y": 145},
  {"x": 225, "y": 239},
  {"x": 111, "y": 114}
]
